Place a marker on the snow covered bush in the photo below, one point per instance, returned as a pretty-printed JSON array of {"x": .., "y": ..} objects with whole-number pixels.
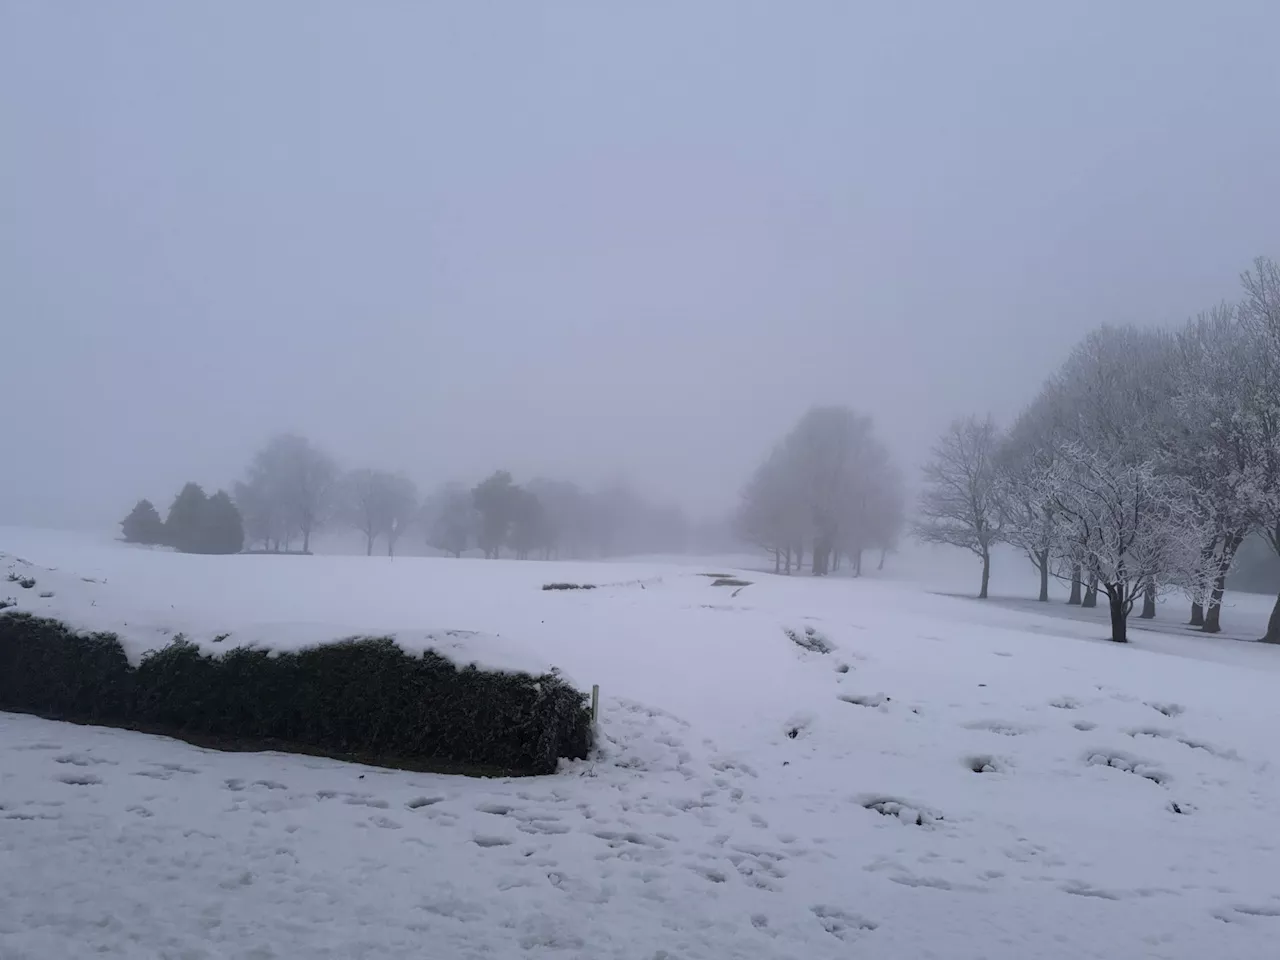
[{"x": 362, "y": 698}]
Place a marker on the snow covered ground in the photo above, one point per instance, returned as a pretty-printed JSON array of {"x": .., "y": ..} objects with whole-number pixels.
[{"x": 952, "y": 780}]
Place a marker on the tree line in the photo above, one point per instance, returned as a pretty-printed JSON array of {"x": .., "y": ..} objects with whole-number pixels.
[
  {"x": 827, "y": 490},
  {"x": 1141, "y": 467},
  {"x": 196, "y": 523},
  {"x": 293, "y": 489}
]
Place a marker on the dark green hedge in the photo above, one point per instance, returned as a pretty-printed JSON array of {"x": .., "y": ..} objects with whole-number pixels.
[{"x": 362, "y": 698}]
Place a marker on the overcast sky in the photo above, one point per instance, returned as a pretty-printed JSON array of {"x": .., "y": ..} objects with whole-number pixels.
[{"x": 590, "y": 239}]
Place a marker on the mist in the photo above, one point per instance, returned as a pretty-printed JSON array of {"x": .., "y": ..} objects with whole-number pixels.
[{"x": 590, "y": 241}]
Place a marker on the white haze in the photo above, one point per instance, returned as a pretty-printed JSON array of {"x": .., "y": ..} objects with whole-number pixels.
[{"x": 590, "y": 240}]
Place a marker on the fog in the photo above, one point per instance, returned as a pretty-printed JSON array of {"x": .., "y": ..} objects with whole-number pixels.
[{"x": 590, "y": 240}]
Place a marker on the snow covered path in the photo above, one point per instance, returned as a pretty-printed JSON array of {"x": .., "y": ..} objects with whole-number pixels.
[{"x": 951, "y": 780}]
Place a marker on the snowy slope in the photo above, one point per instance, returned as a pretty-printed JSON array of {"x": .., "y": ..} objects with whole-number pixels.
[{"x": 751, "y": 798}]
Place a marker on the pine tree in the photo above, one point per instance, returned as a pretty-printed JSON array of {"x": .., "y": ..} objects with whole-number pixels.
[
  {"x": 143, "y": 524},
  {"x": 185, "y": 527},
  {"x": 223, "y": 527}
]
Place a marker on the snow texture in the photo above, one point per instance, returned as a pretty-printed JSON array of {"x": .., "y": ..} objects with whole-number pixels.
[{"x": 979, "y": 782}]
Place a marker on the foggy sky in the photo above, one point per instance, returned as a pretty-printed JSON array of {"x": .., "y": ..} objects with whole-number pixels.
[{"x": 590, "y": 239}]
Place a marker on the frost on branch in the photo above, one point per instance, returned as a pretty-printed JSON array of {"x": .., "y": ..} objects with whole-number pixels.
[{"x": 1124, "y": 524}]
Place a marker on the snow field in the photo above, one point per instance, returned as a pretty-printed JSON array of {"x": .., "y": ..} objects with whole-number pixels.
[{"x": 951, "y": 780}]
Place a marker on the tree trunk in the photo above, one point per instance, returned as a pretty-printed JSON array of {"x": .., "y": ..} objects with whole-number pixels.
[
  {"x": 1119, "y": 618},
  {"x": 777, "y": 560},
  {"x": 1197, "y": 614},
  {"x": 1213, "y": 617},
  {"x": 1273, "y": 625},
  {"x": 800, "y": 557},
  {"x": 986, "y": 573},
  {"x": 1090, "y": 594},
  {"x": 306, "y": 540},
  {"x": 821, "y": 557},
  {"x": 857, "y": 563},
  {"x": 1042, "y": 560},
  {"x": 1148, "y": 602},
  {"x": 368, "y": 545},
  {"x": 1076, "y": 574},
  {"x": 788, "y": 561},
  {"x": 883, "y": 552}
]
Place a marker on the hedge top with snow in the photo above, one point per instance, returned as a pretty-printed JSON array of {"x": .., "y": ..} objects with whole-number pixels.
[{"x": 145, "y": 624}]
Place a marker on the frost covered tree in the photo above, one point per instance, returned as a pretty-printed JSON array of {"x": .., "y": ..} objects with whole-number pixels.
[
  {"x": 961, "y": 505},
  {"x": 1222, "y": 442},
  {"x": 1260, "y": 315},
  {"x": 143, "y": 524},
  {"x": 1113, "y": 395},
  {"x": 1027, "y": 451},
  {"x": 1127, "y": 526}
]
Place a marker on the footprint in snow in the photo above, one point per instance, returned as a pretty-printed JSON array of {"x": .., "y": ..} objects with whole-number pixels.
[
  {"x": 386, "y": 823},
  {"x": 1078, "y": 888},
  {"x": 1168, "y": 709},
  {"x": 79, "y": 779},
  {"x": 488, "y": 840},
  {"x": 1006, "y": 728},
  {"x": 270, "y": 784},
  {"x": 81, "y": 760},
  {"x": 418, "y": 803},
  {"x": 841, "y": 924}
]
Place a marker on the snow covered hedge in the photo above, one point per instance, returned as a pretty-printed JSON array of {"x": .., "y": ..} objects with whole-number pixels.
[{"x": 363, "y": 697}]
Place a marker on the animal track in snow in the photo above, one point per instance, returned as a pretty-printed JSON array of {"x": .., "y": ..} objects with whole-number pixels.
[
  {"x": 1065, "y": 703},
  {"x": 270, "y": 784},
  {"x": 1085, "y": 725},
  {"x": 1168, "y": 709},
  {"x": 489, "y": 840},
  {"x": 79, "y": 779}
]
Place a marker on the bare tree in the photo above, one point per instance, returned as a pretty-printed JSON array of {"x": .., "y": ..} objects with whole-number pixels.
[
  {"x": 379, "y": 504},
  {"x": 961, "y": 505},
  {"x": 291, "y": 484}
]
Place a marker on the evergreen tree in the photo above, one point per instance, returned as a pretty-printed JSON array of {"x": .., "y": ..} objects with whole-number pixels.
[
  {"x": 143, "y": 524},
  {"x": 223, "y": 528},
  {"x": 185, "y": 526}
]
